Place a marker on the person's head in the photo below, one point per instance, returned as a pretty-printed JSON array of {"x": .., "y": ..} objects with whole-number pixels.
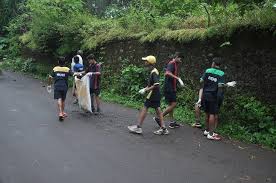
[
  {"x": 76, "y": 59},
  {"x": 216, "y": 62},
  {"x": 91, "y": 59},
  {"x": 149, "y": 60},
  {"x": 177, "y": 57},
  {"x": 80, "y": 52},
  {"x": 61, "y": 61}
]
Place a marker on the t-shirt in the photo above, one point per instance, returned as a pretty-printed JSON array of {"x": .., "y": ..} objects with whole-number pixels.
[
  {"x": 212, "y": 78},
  {"x": 154, "y": 95},
  {"x": 170, "y": 82},
  {"x": 94, "y": 79},
  {"x": 78, "y": 67},
  {"x": 60, "y": 75},
  {"x": 73, "y": 63}
]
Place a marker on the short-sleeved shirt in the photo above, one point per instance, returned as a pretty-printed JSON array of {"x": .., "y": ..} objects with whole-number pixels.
[
  {"x": 73, "y": 63},
  {"x": 154, "y": 95},
  {"x": 94, "y": 79},
  {"x": 78, "y": 67},
  {"x": 60, "y": 75},
  {"x": 212, "y": 78},
  {"x": 170, "y": 82}
]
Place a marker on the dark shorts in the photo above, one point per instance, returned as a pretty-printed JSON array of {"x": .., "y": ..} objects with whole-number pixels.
[
  {"x": 152, "y": 104},
  {"x": 211, "y": 107},
  {"x": 170, "y": 97},
  {"x": 60, "y": 94},
  {"x": 202, "y": 104},
  {"x": 95, "y": 91}
]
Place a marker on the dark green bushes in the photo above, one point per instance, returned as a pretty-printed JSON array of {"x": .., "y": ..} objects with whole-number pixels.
[{"x": 61, "y": 27}]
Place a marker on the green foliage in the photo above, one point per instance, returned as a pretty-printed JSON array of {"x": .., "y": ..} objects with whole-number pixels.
[
  {"x": 63, "y": 26},
  {"x": 3, "y": 46},
  {"x": 28, "y": 66}
]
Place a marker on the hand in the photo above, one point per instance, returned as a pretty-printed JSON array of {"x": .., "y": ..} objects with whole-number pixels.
[
  {"x": 90, "y": 73},
  {"x": 49, "y": 88},
  {"x": 180, "y": 82},
  {"x": 142, "y": 91},
  {"x": 231, "y": 84},
  {"x": 198, "y": 103}
]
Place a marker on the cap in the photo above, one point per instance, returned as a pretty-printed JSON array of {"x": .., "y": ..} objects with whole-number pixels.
[{"x": 150, "y": 59}]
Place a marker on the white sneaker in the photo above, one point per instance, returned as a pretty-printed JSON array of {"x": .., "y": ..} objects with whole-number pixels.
[
  {"x": 161, "y": 131},
  {"x": 135, "y": 129},
  {"x": 213, "y": 137},
  {"x": 205, "y": 133}
]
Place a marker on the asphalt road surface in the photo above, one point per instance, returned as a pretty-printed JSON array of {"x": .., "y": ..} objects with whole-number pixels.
[{"x": 36, "y": 148}]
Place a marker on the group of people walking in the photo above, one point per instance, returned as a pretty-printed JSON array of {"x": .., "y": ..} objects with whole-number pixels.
[
  {"x": 61, "y": 73},
  {"x": 210, "y": 95}
]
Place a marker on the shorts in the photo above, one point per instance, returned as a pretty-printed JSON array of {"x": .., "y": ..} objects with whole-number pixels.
[
  {"x": 60, "y": 94},
  {"x": 170, "y": 97},
  {"x": 211, "y": 107},
  {"x": 202, "y": 103},
  {"x": 152, "y": 104},
  {"x": 95, "y": 91}
]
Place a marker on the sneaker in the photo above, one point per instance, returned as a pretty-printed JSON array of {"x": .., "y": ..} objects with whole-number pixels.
[
  {"x": 161, "y": 131},
  {"x": 173, "y": 125},
  {"x": 60, "y": 117},
  {"x": 98, "y": 111},
  {"x": 213, "y": 137},
  {"x": 135, "y": 129},
  {"x": 205, "y": 133},
  {"x": 196, "y": 125},
  {"x": 65, "y": 115},
  {"x": 157, "y": 120}
]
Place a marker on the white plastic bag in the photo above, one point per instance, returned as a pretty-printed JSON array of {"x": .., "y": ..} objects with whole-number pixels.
[{"x": 83, "y": 93}]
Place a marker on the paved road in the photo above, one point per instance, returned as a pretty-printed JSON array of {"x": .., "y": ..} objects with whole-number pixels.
[{"x": 36, "y": 148}]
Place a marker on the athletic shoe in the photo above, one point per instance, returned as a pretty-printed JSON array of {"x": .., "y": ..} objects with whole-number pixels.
[
  {"x": 161, "y": 131},
  {"x": 98, "y": 111},
  {"x": 205, "y": 133},
  {"x": 213, "y": 137},
  {"x": 157, "y": 120},
  {"x": 197, "y": 125},
  {"x": 60, "y": 117},
  {"x": 135, "y": 129},
  {"x": 173, "y": 125},
  {"x": 65, "y": 115}
]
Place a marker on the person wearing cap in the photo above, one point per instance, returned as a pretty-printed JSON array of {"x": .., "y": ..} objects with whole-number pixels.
[
  {"x": 60, "y": 76},
  {"x": 152, "y": 100},
  {"x": 170, "y": 88}
]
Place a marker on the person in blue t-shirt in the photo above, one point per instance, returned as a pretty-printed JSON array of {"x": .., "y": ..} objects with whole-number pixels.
[{"x": 78, "y": 69}]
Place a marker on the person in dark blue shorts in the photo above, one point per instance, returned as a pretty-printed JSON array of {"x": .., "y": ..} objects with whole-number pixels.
[
  {"x": 60, "y": 76},
  {"x": 170, "y": 89}
]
